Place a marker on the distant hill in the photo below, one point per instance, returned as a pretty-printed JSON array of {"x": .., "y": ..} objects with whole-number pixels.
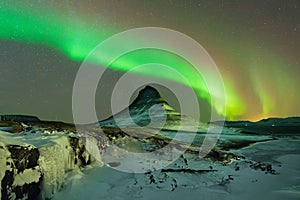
[
  {"x": 289, "y": 125},
  {"x": 19, "y": 118}
]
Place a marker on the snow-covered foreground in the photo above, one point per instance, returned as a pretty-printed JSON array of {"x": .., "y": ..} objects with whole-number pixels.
[
  {"x": 241, "y": 179},
  {"x": 50, "y": 160},
  {"x": 34, "y": 165}
]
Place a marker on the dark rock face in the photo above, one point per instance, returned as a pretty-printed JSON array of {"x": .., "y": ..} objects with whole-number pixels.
[
  {"x": 27, "y": 191},
  {"x": 23, "y": 157},
  {"x": 80, "y": 156},
  {"x": 13, "y": 186}
]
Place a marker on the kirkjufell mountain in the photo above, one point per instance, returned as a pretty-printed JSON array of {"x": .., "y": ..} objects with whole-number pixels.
[
  {"x": 150, "y": 107},
  {"x": 52, "y": 160},
  {"x": 139, "y": 110}
]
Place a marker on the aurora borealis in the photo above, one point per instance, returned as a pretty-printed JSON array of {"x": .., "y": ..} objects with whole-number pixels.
[{"x": 255, "y": 44}]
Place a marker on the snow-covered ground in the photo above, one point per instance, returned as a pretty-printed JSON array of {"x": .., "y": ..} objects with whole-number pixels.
[
  {"x": 242, "y": 179},
  {"x": 242, "y": 166}
]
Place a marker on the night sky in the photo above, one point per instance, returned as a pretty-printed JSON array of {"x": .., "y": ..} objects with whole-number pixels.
[{"x": 255, "y": 45}]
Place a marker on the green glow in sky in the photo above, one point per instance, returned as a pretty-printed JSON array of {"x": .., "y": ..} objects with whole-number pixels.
[
  {"x": 77, "y": 42},
  {"x": 76, "y": 37}
]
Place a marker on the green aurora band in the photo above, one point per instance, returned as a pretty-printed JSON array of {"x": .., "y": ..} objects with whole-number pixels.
[{"x": 76, "y": 38}]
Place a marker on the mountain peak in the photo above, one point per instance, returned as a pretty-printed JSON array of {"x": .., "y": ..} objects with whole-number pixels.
[
  {"x": 148, "y": 98},
  {"x": 147, "y": 95},
  {"x": 149, "y": 91}
]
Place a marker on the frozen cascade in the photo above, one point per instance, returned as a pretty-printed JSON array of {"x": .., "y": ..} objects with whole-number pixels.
[{"x": 37, "y": 165}]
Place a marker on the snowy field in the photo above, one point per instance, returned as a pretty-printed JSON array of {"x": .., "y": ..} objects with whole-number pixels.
[
  {"x": 241, "y": 179},
  {"x": 50, "y": 161}
]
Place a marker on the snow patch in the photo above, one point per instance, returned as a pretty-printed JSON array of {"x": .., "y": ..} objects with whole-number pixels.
[{"x": 27, "y": 176}]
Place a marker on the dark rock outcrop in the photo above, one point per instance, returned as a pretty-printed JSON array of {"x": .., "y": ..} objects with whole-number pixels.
[
  {"x": 21, "y": 174},
  {"x": 36, "y": 170}
]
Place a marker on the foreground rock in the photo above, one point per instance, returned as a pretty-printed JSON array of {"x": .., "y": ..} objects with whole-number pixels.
[{"x": 34, "y": 165}]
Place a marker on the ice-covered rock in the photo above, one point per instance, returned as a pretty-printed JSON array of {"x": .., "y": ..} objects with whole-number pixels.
[
  {"x": 34, "y": 165},
  {"x": 20, "y": 172}
]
